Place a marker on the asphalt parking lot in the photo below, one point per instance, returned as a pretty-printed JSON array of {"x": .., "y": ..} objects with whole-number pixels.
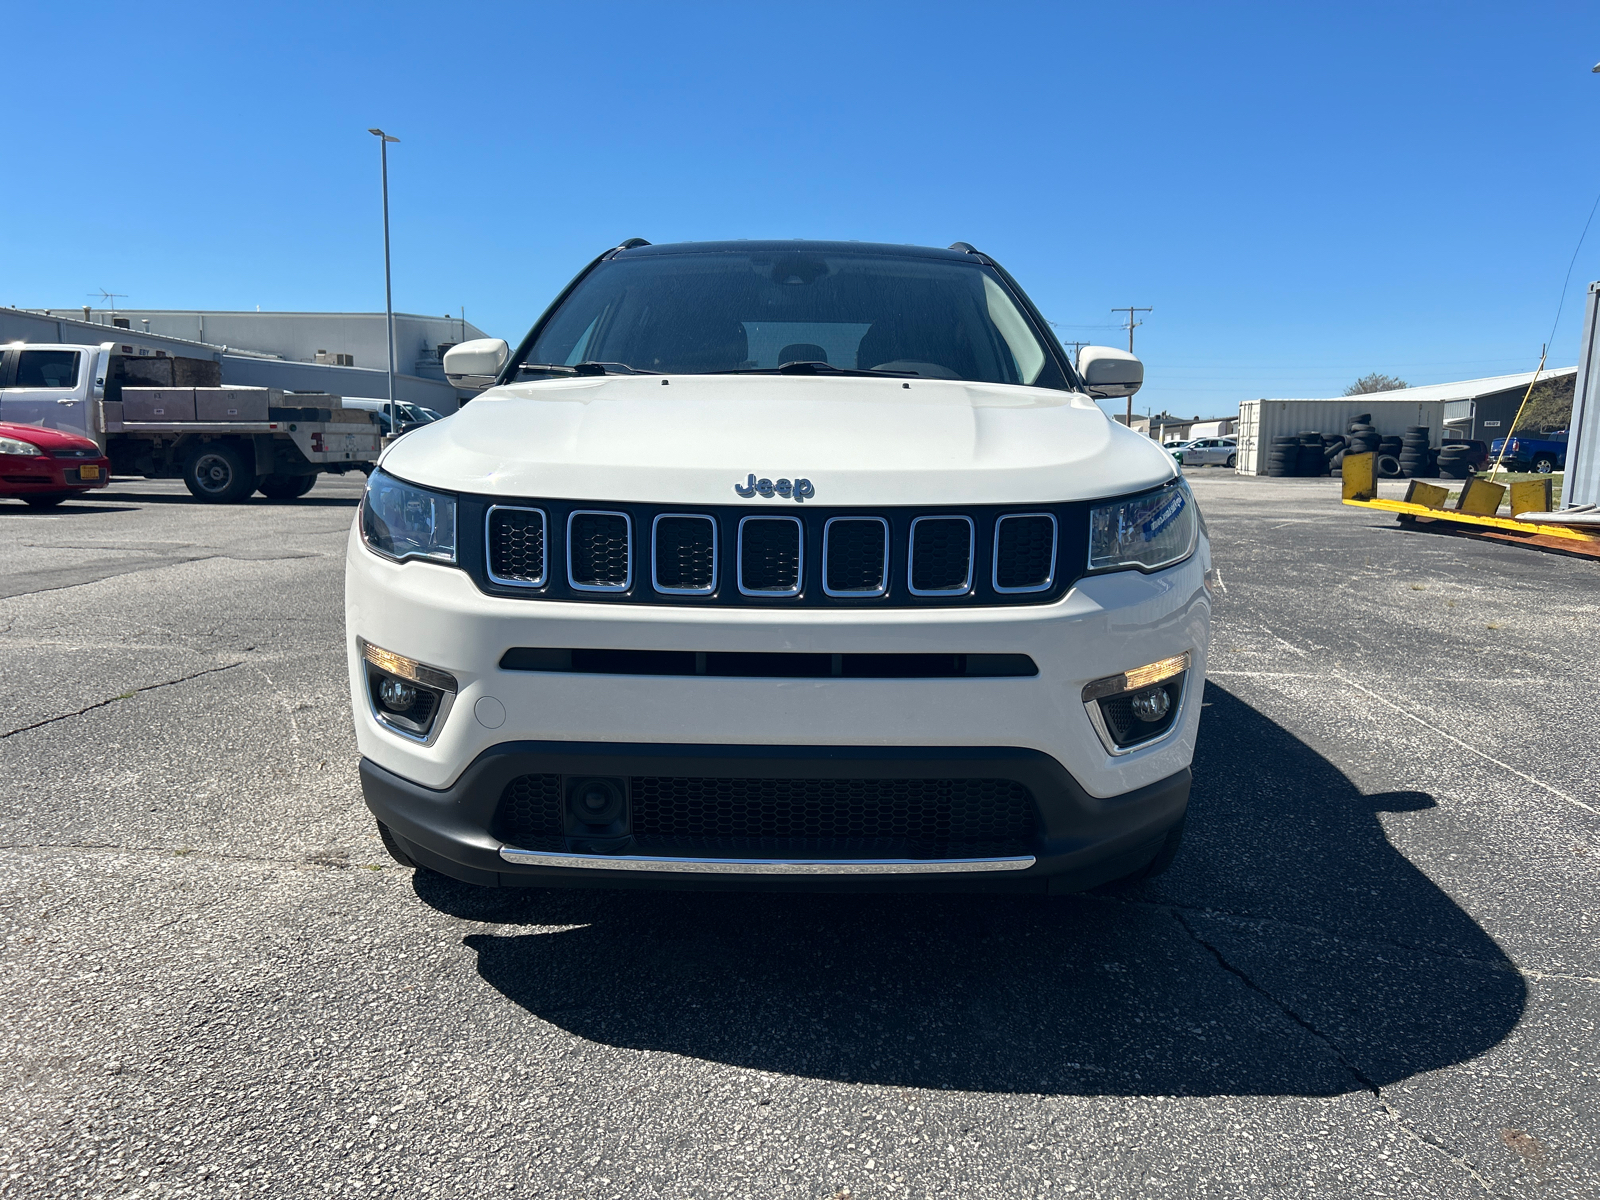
[{"x": 1374, "y": 969}]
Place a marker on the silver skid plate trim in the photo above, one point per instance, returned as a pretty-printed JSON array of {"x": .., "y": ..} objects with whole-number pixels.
[{"x": 764, "y": 866}]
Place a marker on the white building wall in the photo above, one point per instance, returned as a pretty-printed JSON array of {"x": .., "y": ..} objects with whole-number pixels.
[{"x": 298, "y": 336}]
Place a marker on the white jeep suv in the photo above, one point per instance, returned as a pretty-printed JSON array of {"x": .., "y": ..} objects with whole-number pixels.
[{"x": 780, "y": 563}]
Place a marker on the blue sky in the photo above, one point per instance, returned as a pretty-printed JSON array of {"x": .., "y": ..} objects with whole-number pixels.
[{"x": 1304, "y": 193}]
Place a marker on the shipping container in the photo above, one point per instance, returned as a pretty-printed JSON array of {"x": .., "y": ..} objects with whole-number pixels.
[{"x": 1262, "y": 420}]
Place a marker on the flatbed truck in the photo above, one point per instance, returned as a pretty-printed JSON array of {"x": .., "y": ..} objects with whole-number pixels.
[{"x": 171, "y": 418}]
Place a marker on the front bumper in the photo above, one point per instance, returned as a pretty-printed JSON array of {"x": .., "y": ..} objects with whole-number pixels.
[
  {"x": 1080, "y": 840},
  {"x": 35, "y": 476}
]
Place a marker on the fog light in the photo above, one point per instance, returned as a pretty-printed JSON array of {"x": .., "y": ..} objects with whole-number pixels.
[
  {"x": 408, "y": 697},
  {"x": 396, "y": 695},
  {"x": 1151, "y": 704}
]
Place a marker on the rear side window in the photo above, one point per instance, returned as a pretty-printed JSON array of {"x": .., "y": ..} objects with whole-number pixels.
[{"x": 47, "y": 369}]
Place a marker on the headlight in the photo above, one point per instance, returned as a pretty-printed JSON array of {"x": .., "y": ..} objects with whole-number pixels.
[
  {"x": 400, "y": 520},
  {"x": 1150, "y": 531},
  {"x": 24, "y": 449}
]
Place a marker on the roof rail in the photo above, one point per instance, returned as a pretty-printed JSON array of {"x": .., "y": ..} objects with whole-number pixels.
[
  {"x": 632, "y": 242},
  {"x": 965, "y": 247}
]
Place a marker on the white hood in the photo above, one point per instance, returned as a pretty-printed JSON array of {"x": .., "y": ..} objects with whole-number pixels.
[{"x": 688, "y": 439}]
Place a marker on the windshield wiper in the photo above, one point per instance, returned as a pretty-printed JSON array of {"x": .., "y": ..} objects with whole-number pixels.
[
  {"x": 808, "y": 368},
  {"x": 585, "y": 368}
]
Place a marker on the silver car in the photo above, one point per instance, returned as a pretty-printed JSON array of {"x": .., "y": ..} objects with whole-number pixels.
[{"x": 1211, "y": 452}]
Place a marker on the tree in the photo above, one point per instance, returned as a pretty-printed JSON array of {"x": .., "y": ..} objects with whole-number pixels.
[
  {"x": 1375, "y": 382},
  {"x": 1550, "y": 406}
]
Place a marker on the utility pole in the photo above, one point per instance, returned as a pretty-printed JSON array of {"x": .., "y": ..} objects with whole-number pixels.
[
  {"x": 1076, "y": 346},
  {"x": 388, "y": 292},
  {"x": 1130, "y": 327}
]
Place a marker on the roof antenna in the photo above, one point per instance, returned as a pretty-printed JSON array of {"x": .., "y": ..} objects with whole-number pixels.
[{"x": 110, "y": 298}]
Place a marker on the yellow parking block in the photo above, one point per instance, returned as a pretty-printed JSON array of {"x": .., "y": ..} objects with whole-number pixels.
[{"x": 1480, "y": 497}]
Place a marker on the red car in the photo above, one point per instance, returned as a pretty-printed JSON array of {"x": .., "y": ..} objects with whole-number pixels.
[{"x": 46, "y": 466}]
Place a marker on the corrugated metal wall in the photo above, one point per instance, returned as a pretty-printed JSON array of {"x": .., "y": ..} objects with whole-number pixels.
[
  {"x": 1583, "y": 437},
  {"x": 1262, "y": 420}
]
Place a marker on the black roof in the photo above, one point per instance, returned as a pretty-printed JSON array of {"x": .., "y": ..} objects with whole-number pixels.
[{"x": 771, "y": 246}]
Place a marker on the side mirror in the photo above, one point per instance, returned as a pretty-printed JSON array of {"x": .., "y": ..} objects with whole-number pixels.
[
  {"x": 1107, "y": 373},
  {"x": 472, "y": 366}
]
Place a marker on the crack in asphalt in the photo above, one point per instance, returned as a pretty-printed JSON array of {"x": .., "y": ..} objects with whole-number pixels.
[
  {"x": 1350, "y": 1068},
  {"x": 1224, "y": 914},
  {"x": 1421, "y": 1136},
  {"x": 149, "y": 687}
]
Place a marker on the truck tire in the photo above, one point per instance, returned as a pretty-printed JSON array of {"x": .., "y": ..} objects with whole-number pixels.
[
  {"x": 1544, "y": 464},
  {"x": 217, "y": 473},
  {"x": 285, "y": 487}
]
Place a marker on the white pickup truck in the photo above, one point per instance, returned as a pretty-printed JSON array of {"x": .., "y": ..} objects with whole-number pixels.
[{"x": 224, "y": 443}]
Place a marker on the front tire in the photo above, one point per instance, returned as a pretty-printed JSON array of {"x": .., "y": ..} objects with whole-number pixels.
[
  {"x": 1233, "y": 461},
  {"x": 1544, "y": 464},
  {"x": 216, "y": 473}
]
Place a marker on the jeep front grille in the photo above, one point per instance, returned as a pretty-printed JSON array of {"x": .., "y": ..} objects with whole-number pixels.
[{"x": 798, "y": 556}]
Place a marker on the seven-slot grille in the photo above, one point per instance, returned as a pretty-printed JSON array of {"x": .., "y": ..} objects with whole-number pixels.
[
  {"x": 599, "y": 551},
  {"x": 771, "y": 556},
  {"x": 516, "y": 542},
  {"x": 641, "y": 554}
]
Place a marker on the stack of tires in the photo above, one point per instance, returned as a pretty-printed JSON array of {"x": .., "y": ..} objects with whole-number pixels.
[
  {"x": 1333, "y": 448},
  {"x": 1283, "y": 457},
  {"x": 1363, "y": 437},
  {"x": 1455, "y": 462},
  {"x": 1310, "y": 459},
  {"x": 1414, "y": 461}
]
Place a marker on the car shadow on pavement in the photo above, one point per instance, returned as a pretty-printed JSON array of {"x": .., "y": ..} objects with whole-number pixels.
[{"x": 1291, "y": 950}]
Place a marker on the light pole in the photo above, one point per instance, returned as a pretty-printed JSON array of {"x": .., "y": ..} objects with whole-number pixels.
[{"x": 388, "y": 292}]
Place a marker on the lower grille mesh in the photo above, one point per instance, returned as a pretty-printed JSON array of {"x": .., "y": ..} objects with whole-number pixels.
[
  {"x": 772, "y": 817},
  {"x": 531, "y": 813}
]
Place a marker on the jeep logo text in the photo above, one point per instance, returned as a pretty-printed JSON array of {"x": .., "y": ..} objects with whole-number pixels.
[{"x": 800, "y": 489}]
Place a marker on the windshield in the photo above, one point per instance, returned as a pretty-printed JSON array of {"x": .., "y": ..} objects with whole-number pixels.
[{"x": 719, "y": 311}]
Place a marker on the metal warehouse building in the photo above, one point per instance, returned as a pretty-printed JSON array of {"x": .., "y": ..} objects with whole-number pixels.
[
  {"x": 340, "y": 353},
  {"x": 1472, "y": 408}
]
